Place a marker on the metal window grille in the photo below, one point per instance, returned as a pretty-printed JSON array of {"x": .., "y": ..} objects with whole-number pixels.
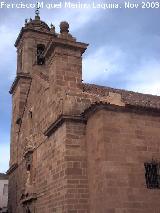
[{"x": 152, "y": 174}]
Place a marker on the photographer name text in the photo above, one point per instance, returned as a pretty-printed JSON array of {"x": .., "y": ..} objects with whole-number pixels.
[{"x": 80, "y": 5}]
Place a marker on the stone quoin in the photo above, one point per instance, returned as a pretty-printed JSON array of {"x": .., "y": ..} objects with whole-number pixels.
[{"x": 77, "y": 147}]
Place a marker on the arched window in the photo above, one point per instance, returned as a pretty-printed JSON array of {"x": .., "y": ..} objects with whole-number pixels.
[{"x": 40, "y": 57}]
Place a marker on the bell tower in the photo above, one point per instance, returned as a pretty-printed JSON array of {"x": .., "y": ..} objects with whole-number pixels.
[{"x": 49, "y": 69}]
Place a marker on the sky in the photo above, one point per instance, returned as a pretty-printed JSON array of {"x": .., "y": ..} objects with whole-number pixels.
[{"x": 123, "y": 52}]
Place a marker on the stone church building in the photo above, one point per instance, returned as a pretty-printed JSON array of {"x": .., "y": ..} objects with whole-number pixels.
[{"x": 77, "y": 147}]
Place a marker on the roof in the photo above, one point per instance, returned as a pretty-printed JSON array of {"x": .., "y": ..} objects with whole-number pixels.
[
  {"x": 3, "y": 176},
  {"x": 128, "y": 97}
]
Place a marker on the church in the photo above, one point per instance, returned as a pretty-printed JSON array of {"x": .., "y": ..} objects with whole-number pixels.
[{"x": 77, "y": 147}]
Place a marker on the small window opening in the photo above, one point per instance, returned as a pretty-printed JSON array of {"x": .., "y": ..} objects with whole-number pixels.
[
  {"x": 29, "y": 167},
  {"x": 19, "y": 61},
  {"x": 152, "y": 174},
  {"x": 28, "y": 210},
  {"x": 40, "y": 57},
  {"x": 30, "y": 114}
]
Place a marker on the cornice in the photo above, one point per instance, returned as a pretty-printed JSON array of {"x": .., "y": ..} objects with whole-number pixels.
[
  {"x": 29, "y": 30},
  {"x": 18, "y": 77},
  {"x": 12, "y": 168},
  {"x": 83, "y": 117},
  {"x": 127, "y": 108},
  {"x": 63, "y": 118}
]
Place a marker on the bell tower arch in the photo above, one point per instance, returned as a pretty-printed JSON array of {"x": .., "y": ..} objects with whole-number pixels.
[{"x": 31, "y": 43}]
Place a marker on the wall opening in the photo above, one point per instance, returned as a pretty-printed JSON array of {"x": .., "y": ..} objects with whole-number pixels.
[
  {"x": 40, "y": 57},
  {"x": 152, "y": 174}
]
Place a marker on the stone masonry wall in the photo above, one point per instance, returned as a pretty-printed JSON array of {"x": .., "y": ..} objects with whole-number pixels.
[{"x": 118, "y": 145}]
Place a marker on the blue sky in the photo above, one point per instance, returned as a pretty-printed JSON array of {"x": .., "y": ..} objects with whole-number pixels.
[{"x": 124, "y": 51}]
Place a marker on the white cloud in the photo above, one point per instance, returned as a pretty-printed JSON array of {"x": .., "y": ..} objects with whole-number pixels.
[
  {"x": 4, "y": 157},
  {"x": 110, "y": 62},
  {"x": 77, "y": 18},
  {"x": 7, "y": 51},
  {"x": 152, "y": 88},
  {"x": 106, "y": 61},
  {"x": 147, "y": 78},
  {"x": 7, "y": 36}
]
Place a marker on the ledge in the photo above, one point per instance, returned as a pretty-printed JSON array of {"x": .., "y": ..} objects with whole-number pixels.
[
  {"x": 29, "y": 29},
  {"x": 12, "y": 168},
  {"x": 65, "y": 43},
  {"x": 63, "y": 118},
  {"x": 29, "y": 198},
  {"x": 98, "y": 106},
  {"x": 18, "y": 77},
  {"x": 127, "y": 108}
]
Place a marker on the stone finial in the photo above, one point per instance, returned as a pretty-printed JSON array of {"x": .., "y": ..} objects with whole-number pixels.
[
  {"x": 64, "y": 27},
  {"x": 37, "y": 18},
  {"x": 26, "y": 21},
  {"x": 37, "y": 12},
  {"x": 52, "y": 29}
]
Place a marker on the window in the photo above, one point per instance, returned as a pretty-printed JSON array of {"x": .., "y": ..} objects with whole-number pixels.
[
  {"x": 40, "y": 51},
  {"x": 5, "y": 189},
  {"x": 152, "y": 174},
  {"x": 19, "y": 62},
  {"x": 28, "y": 210}
]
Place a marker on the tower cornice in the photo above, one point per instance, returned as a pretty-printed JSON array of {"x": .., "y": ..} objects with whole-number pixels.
[
  {"x": 18, "y": 77},
  {"x": 23, "y": 30},
  {"x": 64, "y": 43}
]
